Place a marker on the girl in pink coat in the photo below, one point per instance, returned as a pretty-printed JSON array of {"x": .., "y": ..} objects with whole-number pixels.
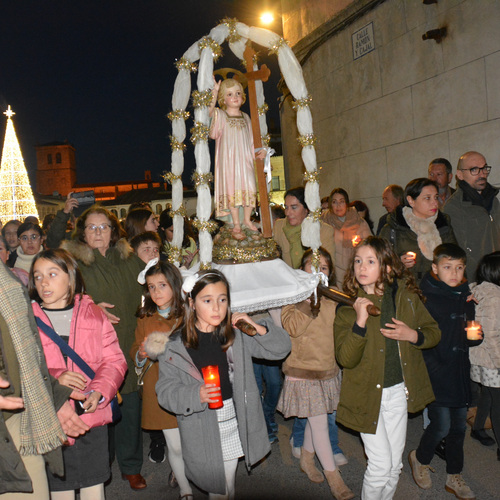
[{"x": 56, "y": 287}]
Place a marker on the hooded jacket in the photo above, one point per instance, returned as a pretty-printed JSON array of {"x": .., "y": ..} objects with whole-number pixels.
[
  {"x": 113, "y": 279},
  {"x": 361, "y": 352},
  {"x": 178, "y": 391},
  {"x": 403, "y": 239},
  {"x": 93, "y": 338}
]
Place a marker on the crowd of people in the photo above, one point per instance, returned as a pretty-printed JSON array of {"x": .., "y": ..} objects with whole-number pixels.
[{"x": 102, "y": 339}]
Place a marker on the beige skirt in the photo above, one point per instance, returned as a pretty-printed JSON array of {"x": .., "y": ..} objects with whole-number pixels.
[{"x": 309, "y": 398}]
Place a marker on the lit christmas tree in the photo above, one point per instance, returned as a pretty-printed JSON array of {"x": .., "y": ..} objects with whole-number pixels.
[{"x": 16, "y": 196}]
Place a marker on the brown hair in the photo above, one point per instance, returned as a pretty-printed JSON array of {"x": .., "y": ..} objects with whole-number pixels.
[
  {"x": 391, "y": 268},
  {"x": 64, "y": 260},
  {"x": 224, "y": 332},
  {"x": 326, "y": 255},
  {"x": 145, "y": 237},
  {"x": 174, "y": 279},
  {"x": 229, "y": 83},
  {"x": 117, "y": 231},
  {"x": 136, "y": 221}
]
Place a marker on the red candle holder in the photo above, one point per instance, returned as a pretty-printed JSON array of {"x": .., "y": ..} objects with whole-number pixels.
[{"x": 211, "y": 376}]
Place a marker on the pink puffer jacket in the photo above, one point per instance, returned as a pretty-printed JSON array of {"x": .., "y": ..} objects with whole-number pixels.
[{"x": 94, "y": 339}]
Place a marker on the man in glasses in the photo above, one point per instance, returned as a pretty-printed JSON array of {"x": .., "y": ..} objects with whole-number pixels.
[{"x": 474, "y": 210}]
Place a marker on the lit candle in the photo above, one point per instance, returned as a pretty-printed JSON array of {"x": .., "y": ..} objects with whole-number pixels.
[
  {"x": 411, "y": 255},
  {"x": 473, "y": 330},
  {"x": 356, "y": 240},
  {"x": 211, "y": 376}
]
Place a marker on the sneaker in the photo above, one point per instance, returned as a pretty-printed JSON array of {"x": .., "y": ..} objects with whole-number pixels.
[
  {"x": 157, "y": 452},
  {"x": 340, "y": 459},
  {"x": 295, "y": 450},
  {"x": 455, "y": 484},
  {"x": 420, "y": 472},
  {"x": 482, "y": 436}
]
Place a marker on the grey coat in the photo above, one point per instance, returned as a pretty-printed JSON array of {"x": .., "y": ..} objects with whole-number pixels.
[
  {"x": 476, "y": 230},
  {"x": 178, "y": 391}
]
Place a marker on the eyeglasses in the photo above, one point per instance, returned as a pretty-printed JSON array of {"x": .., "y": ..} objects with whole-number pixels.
[
  {"x": 475, "y": 170},
  {"x": 103, "y": 228},
  {"x": 32, "y": 237}
]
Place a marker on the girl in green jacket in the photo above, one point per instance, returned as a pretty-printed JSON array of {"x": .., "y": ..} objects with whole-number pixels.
[{"x": 384, "y": 372}]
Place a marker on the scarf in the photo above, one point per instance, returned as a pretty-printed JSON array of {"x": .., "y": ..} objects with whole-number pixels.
[
  {"x": 41, "y": 431},
  {"x": 428, "y": 237},
  {"x": 393, "y": 373},
  {"x": 293, "y": 235},
  {"x": 483, "y": 199},
  {"x": 24, "y": 261}
]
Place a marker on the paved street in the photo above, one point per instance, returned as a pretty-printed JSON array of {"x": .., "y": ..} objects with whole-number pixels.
[{"x": 279, "y": 476}]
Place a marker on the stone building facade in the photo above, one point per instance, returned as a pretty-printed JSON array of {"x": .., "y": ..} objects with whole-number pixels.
[{"x": 381, "y": 114}]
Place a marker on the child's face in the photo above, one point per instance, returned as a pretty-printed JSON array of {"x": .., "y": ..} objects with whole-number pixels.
[
  {"x": 11, "y": 235},
  {"x": 210, "y": 306},
  {"x": 152, "y": 223},
  {"x": 148, "y": 250},
  {"x": 4, "y": 252},
  {"x": 366, "y": 268},
  {"x": 160, "y": 290},
  {"x": 51, "y": 283},
  {"x": 449, "y": 271},
  {"x": 233, "y": 98},
  {"x": 323, "y": 266}
]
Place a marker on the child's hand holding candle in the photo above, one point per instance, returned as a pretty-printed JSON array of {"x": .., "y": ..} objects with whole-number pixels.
[
  {"x": 474, "y": 330},
  {"x": 356, "y": 240},
  {"x": 210, "y": 393},
  {"x": 409, "y": 259}
]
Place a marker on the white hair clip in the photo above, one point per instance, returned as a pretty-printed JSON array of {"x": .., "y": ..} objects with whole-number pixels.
[{"x": 142, "y": 275}]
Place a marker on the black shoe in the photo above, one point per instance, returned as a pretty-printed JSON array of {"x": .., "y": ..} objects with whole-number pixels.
[
  {"x": 440, "y": 450},
  {"x": 157, "y": 452},
  {"x": 482, "y": 437},
  {"x": 498, "y": 453}
]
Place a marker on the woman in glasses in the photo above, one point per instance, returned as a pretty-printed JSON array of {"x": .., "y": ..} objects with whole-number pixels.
[
  {"x": 30, "y": 238},
  {"x": 110, "y": 268}
]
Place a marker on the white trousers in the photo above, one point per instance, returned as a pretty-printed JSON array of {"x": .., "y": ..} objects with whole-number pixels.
[
  {"x": 384, "y": 449},
  {"x": 230, "y": 467}
]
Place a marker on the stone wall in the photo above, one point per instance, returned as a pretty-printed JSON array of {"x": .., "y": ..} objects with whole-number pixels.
[{"x": 381, "y": 118}]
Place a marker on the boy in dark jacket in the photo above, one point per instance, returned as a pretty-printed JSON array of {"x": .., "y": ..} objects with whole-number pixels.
[{"x": 447, "y": 293}]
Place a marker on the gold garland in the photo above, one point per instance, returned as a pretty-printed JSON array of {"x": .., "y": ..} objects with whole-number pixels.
[
  {"x": 174, "y": 254},
  {"x": 302, "y": 103},
  {"x": 315, "y": 215},
  {"x": 199, "y": 179},
  {"x": 307, "y": 140},
  {"x": 170, "y": 177},
  {"x": 199, "y": 133},
  {"x": 178, "y": 114},
  {"x": 266, "y": 139},
  {"x": 180, "y": 211},
  {"x": 268, "y": 250},
  {"x": 315, "y": 259},
  {"x": 184, "y": 64},
  {"x": 206, "y": 225},
  {"x": 176, "y": 145},
  {"x": 208, "y": 43},
  {"x": 311, "y": 176},
  {"x": 205, "y": 266},
  {"x": 234, "y": 36},
  {"x": 276, "y": 46},
  {"x": 263, "y": 109},
  {"x": 202, "y": 99}
]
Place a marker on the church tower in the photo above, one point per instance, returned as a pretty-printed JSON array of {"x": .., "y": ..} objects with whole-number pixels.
[{"x": 56, "y": 168}]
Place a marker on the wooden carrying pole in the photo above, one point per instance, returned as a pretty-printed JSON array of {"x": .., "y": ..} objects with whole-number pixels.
[
  {"x": 342, "y": 298},
  {"x": 263, "y": 75}
]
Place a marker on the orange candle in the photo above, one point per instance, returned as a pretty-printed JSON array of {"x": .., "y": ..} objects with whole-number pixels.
[
  {"x": 473, "y": 330},
  {"x": 356, "y": 240},
  {"x": 211, "y": 376}
]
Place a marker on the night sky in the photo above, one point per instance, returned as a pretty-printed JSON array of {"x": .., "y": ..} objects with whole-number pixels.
[{"x": 100, "y": 74}]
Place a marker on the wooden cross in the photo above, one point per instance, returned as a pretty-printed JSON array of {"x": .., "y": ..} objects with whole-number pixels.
[{"x": 263, "y": 75}]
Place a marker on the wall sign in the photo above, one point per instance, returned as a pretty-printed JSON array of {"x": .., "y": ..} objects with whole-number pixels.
[{"x": 363, "y": 41}]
